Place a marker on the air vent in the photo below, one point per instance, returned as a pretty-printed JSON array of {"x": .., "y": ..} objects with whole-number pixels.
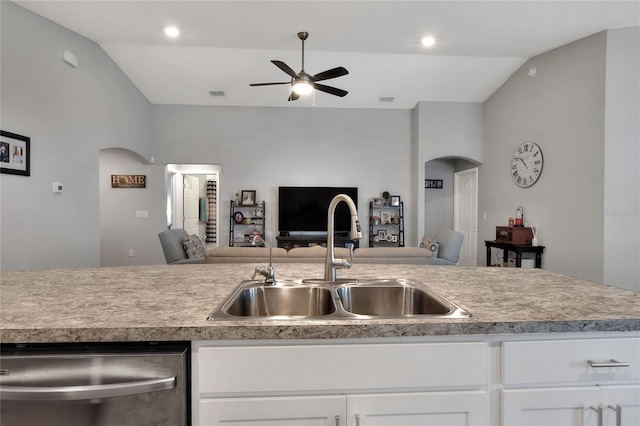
[
  {"x": 216, "y": 92},
  {"x": 386, "y": 98}
]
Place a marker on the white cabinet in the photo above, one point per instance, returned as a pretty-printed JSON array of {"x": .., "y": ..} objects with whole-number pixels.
[
  {"x": 440, "y": 381},
  {"x": 346, "y": 384},
  {"x": 463, "y": 408},
  {"x": 395, "y": 409},
  {"x": 272, "y": 411},
  {"x": 571, "y": 383},
  {"x": 621, "y": 405},
  {"x": 569, "y": 406}
]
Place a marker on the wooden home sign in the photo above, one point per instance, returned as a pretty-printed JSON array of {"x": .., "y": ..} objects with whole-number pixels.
[{"x": 128, "y": 181}]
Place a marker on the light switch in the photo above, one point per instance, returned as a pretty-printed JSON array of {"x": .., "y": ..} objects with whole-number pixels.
[{"x": 57, "y": 187}]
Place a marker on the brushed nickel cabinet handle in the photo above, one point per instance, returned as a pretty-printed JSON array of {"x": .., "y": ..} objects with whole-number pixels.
[
  {"x": 608, "y": 364},
  {"x": 357, "y": 419},
  {"x": 618, "y": 410},
  {"x": 599, "y": 411},
  {"x": 337, "y": 420}
]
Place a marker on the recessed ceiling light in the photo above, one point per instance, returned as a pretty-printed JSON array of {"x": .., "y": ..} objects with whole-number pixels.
[
  {"x": 428, "y": 41},
  {"x": 172, "y": 32}
]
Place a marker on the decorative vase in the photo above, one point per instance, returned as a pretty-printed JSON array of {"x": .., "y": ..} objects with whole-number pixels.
[{"x": 534, "y": 242}]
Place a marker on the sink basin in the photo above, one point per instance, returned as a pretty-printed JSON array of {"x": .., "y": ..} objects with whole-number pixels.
[
  {"x": 282, "y": 301},
  {"x": 391, "y": 301},
  {"x": 317, "y": 299}
]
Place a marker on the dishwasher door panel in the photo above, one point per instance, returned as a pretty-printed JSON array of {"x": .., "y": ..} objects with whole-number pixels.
[{"x": 95, "y": 387}]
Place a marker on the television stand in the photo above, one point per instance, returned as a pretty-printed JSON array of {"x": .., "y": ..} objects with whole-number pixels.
[{"x": 288, "y": 242}]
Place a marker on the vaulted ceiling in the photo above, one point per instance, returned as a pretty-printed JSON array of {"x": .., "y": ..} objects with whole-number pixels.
[{"x": 225, "y": 45}]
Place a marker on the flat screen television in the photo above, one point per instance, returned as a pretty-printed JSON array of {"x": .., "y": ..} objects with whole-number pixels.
[{"x": 304, "y": 209}]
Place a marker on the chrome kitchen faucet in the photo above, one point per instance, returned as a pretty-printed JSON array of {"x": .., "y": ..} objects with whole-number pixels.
[{"x": 331, "y": 263}]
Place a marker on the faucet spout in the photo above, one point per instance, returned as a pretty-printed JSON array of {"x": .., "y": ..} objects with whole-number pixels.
[
  {"x": 268, "y": 272},
  {"x": 331, "y": 263}
]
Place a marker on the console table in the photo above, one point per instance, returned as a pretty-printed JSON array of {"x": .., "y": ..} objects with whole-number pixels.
[{"x": 517, "y": 248}]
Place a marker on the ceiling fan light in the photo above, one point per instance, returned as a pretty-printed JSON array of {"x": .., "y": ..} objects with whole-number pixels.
[{"x": 302, "y": 88}]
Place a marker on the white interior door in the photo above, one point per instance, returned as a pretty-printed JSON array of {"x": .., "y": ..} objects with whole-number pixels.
[
  {"x": 466, "y": 213},
  {"x": 190, "y": 205}
]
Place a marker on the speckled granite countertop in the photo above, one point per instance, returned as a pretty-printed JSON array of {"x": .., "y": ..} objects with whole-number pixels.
[{"x": 172, "y": 303}]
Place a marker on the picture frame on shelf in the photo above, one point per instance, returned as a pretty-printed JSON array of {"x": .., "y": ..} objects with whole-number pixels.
[
  {"x": 15, "y": 154},
  {"x": 382, "y": 235},
  {"x": 395, "y": 201},
  {"x": 385, "y": 218},
  {"x": 378, "y": 202},
  {"x": 248, "y": 197},
  {"x": 238, "y": 217}
]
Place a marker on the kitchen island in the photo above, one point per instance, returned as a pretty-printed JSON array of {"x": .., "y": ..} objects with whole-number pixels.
[
  {"x": 541, "y": 348},
  {"x": 143, "y": 303}
]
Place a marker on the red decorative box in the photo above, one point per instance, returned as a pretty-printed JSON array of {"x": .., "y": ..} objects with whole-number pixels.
[{"x": 514, "y": 234}]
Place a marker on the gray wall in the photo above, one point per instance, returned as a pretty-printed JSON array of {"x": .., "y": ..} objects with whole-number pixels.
[
  {"x": 263, "y": 148},
  {"x": 621, "y": 159},
  {"x": 443, "y": 130},
  {"x": 120, "y": 229},
  {"x": 438, "y": 211},
  {"x": 69, "y": 114},
  {"x": 562, "y": 110}
]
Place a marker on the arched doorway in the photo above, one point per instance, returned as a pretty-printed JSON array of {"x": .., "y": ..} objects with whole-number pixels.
[{"x": 450, "y": 201}]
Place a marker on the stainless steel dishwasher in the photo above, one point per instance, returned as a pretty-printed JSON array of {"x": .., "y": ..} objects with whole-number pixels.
[{"x": 95, "y": 384}]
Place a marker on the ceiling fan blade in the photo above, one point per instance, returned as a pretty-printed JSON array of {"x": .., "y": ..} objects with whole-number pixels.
[
  {"x": 331, "y": 90},
  {"x": 293, "y": 96},
  {"x": 268, "y": 84},
  {"x": 332, "y": 73},
  {"x": 284, "y": 67}
]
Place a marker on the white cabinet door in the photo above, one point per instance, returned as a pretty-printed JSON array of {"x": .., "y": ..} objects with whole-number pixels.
[
  {"x": 464, "y": 408},
  {"x": 570, "y": 406},
  {"x": 622, "y": 401},
  {"x": 273, "y": 411}
]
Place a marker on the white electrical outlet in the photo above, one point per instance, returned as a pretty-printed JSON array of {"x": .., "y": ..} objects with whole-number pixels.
[
  {"x": 57, "y": 187},
  {"x": 142, "y": 214},
  {"x": 130, "y": 252}
]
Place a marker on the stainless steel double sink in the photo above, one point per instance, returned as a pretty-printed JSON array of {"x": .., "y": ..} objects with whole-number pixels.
[{"x": 255, "y": 300}]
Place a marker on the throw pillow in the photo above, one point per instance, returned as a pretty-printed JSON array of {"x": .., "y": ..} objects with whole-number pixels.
[
  {"x": 427, "y": 241},
  {"x": 193, "y": 246}
]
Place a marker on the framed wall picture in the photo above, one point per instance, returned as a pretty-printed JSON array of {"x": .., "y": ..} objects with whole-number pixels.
[
  {"x": 382, "y": 235},
  {"x": 15, "y": 154},
  {"x": 395, "y": 200},
  {"x": 248, "y": 198},
  {"x": 433, "y": 184}
]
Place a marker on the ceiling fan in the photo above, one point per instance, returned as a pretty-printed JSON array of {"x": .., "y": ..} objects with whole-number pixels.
[{"x": 303, "y": 83}]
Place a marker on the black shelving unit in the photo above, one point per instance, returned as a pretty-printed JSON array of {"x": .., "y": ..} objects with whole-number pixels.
[
  {"x": 386, "y": 225},
  {"x": 245, "y": 222}
]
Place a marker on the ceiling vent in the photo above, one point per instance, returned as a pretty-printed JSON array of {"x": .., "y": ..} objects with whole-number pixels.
[
  {"x": 216, "y": 92},
  {"x": 386, "y": 98}
]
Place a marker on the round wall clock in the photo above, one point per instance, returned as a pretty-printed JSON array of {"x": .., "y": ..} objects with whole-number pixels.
[{"x": 526, "y": 164}]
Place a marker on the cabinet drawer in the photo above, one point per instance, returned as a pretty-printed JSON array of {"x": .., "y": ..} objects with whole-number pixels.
[
  {"x": 228, "y": 370},
  {"x": 567, "y": 361}
]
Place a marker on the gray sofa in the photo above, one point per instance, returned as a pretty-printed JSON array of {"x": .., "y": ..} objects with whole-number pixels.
[{"x": 317, "y": 254}]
